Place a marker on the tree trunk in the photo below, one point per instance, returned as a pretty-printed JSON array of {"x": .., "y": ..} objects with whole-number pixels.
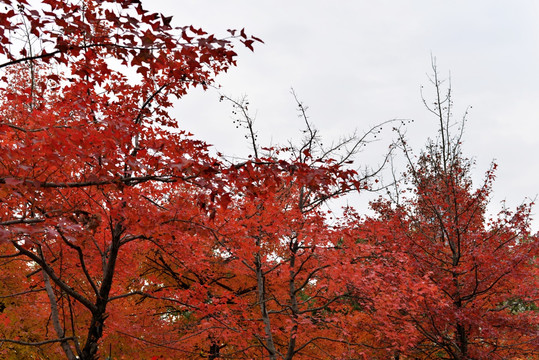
[
  {"x": 270, "y": 345},
  {"x": 89, "y": 352}
]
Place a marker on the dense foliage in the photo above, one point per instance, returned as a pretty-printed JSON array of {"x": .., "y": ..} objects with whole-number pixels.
[{"x": 121, "y": 237}]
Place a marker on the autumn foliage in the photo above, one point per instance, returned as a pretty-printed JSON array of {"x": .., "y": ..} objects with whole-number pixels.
[
  {"x": 121, "y": 237},
  {"x": 474, "y": 278}
]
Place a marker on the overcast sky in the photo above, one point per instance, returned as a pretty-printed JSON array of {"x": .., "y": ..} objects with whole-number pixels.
[{"x": 358, "y": 63}]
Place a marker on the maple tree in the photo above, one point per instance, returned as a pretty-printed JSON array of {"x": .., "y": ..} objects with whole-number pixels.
[
  {"x": 89, "y": 157},
  {"x": 480, "y": 274},
  {"x": 270, "y": 272}
]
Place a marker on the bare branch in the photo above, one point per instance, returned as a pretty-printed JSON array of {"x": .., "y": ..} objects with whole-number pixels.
[
  {"x": 22, "y": 293},
  {"x": 35, "y": 343},
  {"x": 245, "y": 120}
]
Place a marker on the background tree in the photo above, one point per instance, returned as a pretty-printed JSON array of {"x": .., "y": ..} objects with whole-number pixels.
[
  {"x": 483, "y": 271},
  {"x": 271, "y": 277}
]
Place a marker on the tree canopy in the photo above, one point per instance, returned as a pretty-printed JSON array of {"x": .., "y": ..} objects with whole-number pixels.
[{"x": 122, "y": 237}]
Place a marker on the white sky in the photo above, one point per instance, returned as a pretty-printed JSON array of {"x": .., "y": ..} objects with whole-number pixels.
[{"x": 358, "y": 63}]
